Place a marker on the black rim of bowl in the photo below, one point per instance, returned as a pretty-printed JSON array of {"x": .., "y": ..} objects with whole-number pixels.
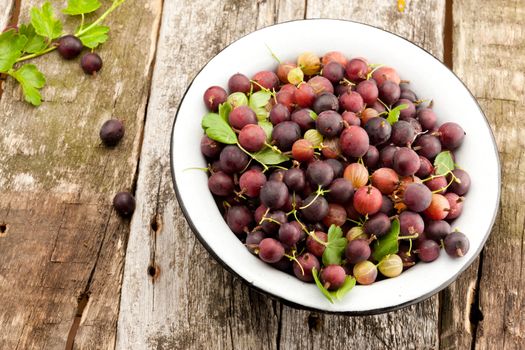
[{"x": 300, "y": 306}]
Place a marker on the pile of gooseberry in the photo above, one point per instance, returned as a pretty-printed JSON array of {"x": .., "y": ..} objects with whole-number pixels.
[{"x": 359, "y": 151}]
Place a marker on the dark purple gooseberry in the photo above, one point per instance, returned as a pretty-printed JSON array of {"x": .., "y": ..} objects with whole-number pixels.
[
  {"x": 289, "y": 234},
  {"x": 274, "y": 194},
  {"x": 239, "y": 83},
  {"x": 425, "y": 168},
  {"x": 460, "y": 188},
  {"x": 415, "y": 124},
  {"x": 357, "y": 250},
  {"x": 285, "y": 134},
  {"x": 451, "y": 135},
  {"x": 386, "y": 156},
  {"x": 411, "y": 223},
  {"x": 111, "y": 132},
  {"x": 314, "y": 209},
  {"x": 279, "y": 114},
  {"x": 210, "y": 148},
  {"x": 325, "y": 102},
  {"x": 69, "y": 47},
  {"x": 295, "y": 179},
  {"x": 417, "y": 197},
  {"x": 334, "y": 72},
  {"x": 406, "y": 161},
  {"x": 377, "y": 225},
  {"x": 427, "y": 118},
  {"x": 303, "y": 118},
  {"x": 124, "y": 204},
  {"x": 329, "y": 123},
  {"x": 253, "y": 239},
  {"x": 427, "y": 146},
  {"x": 378, "y": 130},
  {"x": 91, "y": 63},
  {"x": 239, "y": 218},
  {"x": 456, "y": 244},
  {"x": 403, "y": 133},
  {"x": 337, "y": 167},
  {"x": 436, "y": 230},
  {"x": 407, "y": 94},
  {"x": 371, "y": 157},
  {"x": 389, "y": 92},
  {"x": 233, "y": 159},
  {"x": 428, "y": 250},
  {"x": 221, "y": 184},
  {"x": 341, "y": 191},
  {"x": 214, "y": 96},
  {"x": 319, "y": 173}
]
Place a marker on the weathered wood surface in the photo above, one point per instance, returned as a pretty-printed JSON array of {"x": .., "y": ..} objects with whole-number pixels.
[
  {"x": 191, "y": 302},
  {"x": 6, "y": 11},
  {"x": 61, "y": 245},
  {"x": 60, "y": 240},
  {"x": 489, "y": 56}
]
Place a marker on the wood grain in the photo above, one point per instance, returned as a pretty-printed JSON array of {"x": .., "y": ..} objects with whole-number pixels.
[
  {"x": 492, "y": 65},
  {"x": 6, "y": 10},
  {"x": 60, "y": 239},
  {"x": 167, "y": 310}
]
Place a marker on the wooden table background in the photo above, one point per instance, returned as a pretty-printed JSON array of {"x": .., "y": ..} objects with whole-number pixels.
[{"x": 74, "y": 275}]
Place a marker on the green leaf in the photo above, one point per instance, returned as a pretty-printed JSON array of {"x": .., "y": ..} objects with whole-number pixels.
[
  {"x": 387, "y": 244},
  {"x": 11, "y": 46},
  {"x": 268, "y": 128},
  {"x": 224, "y": 110},
  {"x": 313, "y": 115},
  {"x": 269, "y": 156},
  {"x": 94, "y": 36},
  {"x": 346, "y": 287},
  {"x": 45, "y": 22},
  {"x": 261, "y": 113},
  {"x": 218, "y": 129},
  {"x": 259, "y": 99},
  {"x": 323, "y": 290},
  {"x": 333, "y": 251},
  {"x": 35, "y": 43},
  {"x": 78, "y": 7},
  {"x": 334, "y": 232},
  {"x": 444, "y": 163},
  {"x": 31, "y": 80},
  {"x": 336, "y": 244},
  {"x": 393, "y": 114}
]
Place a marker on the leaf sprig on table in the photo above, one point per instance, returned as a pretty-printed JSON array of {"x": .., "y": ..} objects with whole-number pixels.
[{"x": 38, "y": 37}]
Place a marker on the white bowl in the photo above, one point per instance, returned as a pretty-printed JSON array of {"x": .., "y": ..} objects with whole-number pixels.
[{"x": 428, "y": 77}]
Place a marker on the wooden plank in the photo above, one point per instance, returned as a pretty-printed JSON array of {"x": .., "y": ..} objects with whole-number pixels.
[
  {"x": 415, "y": 327},
  {"x": 6, "y": 10},
  {"x": 489, "y": 57},
  {"x": 191, "y": 302},
  {"x": 60, "y": 239}
]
